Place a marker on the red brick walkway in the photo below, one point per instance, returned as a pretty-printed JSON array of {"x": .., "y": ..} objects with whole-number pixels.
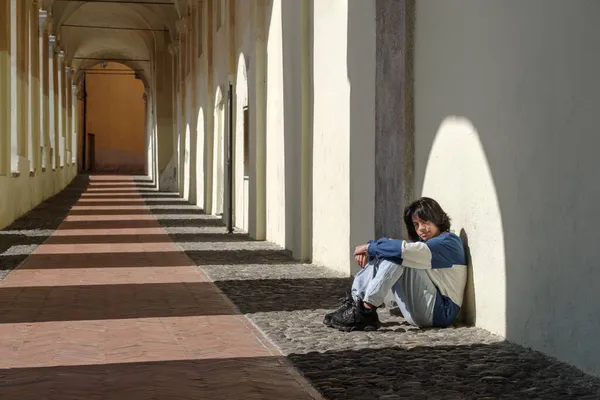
[{"x": 110, "y": 308}]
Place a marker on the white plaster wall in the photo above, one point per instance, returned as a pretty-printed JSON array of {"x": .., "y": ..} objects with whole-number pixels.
[
  {"x": 245, "y": 35},
  {"x": 343, "y": 130},
  {"x": 251, "y": 43},
  {"x": 361, "y": 63},
  {"x": 276, "y": 151},
  {"x": 164, "y": 116},
  {"x": 221, "y": 82},
  {"x": 201, "y": 130},
  {"x": 516, "y": 167},
  {"x": 291, "y": 17},
  {"x": 241, "y": 189},
  {"x": 331, "y": 141},
  {"x": 187, "y": 131},
  {"x": 219, "y": 151}
]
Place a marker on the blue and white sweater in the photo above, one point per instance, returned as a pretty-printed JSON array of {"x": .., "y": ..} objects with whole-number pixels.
[{"x": 443, "y": 257}]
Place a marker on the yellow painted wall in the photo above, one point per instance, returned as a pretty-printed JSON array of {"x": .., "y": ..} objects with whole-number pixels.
[
  {"x": 20, "y": 194},
  {"x": 116, "y": 115}
]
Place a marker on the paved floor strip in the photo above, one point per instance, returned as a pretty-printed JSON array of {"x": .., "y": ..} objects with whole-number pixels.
[{"x": 85, "y": 317}]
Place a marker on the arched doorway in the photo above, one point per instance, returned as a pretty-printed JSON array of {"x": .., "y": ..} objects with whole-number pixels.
[
  {"x": 115, "y": 115},
  {"x": 218, "y": 192},
  {"x": 242, "y": 153}
]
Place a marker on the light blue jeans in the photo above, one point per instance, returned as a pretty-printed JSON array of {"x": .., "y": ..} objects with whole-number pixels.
[{"x": 412, "y": 289}]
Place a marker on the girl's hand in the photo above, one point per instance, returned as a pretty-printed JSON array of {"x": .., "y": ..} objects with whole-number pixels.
[
  {"x": 362, "y": 260},
  {"x": 361, "y": 249}
]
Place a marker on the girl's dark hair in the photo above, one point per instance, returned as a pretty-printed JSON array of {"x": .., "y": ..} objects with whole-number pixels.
[{"x": 426, "y": 209}]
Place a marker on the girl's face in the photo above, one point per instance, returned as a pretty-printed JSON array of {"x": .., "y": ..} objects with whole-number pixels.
[{"x": 425, "y": 229}]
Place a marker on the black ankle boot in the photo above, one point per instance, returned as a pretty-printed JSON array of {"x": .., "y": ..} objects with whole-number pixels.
[
  {"x": 345, "y": 303},
  {"x": 356, "y": 318}
]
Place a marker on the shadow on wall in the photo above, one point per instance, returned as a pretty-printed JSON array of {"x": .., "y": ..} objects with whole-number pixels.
[
  {"x": 361, "y": 69},
  {"x": 468, "y": 311},
  {"x": 168, "y": 177},
  {"x": 529, "y": 113},
  {"x": 292, "y": 67}
]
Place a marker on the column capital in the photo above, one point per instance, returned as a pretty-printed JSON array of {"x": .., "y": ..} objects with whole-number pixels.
[
  {"x": 173, "y": 48},
  {"x": 42, "y": 18},
  {"x": 79, "y": 93},
  {"x": 181, "y": 26},
  {"x": 52, "y": 44},
  {"x": 61, "y": 55}
]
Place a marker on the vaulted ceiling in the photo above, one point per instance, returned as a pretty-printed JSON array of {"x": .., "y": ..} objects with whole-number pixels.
[{"x": 127, "y": 31}]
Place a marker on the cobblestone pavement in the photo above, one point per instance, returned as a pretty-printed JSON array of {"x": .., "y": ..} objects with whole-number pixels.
[{"x": 286, "y": 300}]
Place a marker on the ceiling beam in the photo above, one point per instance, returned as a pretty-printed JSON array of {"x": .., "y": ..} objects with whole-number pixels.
[
  {"x": 124, "y": 28},
  {"x": 110, "y": 59},
  {"x": 131, "y": 73},
  {"x": 112, "y": 69},
  {"x": 142, "y": 2}
]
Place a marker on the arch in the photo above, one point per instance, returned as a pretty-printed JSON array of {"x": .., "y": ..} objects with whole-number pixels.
[
  {"x": 241, "y": 171},
  {"x": 241, "y": 91},
  {"x": 117, "y": 114},
  {"x": 219, "y": 97},
  {"x": 200, "y": 158},
  {"x": 136, "y": 67},
  {"x": 186, "y": 158},
  {"x": 148, "y": 16},
  {"x": 118, "y": 45},
  {"x": 467, "y": 191},
  {"x": 218, "y": 171}
]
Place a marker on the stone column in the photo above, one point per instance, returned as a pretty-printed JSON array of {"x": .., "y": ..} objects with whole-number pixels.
[
  {"x": 63, "y": 104},
  {"x": 68, "y": 114},
  {"x": 209, "y": 110},
  {"x": 147, "y": 137},
  {"x": 74, "y": 124},
  {"x": 60, "y": 109},
  {"x": 258, "y": 174},
  {"x": 307, "y": 135},
  {"x": 229, "y": 192},
  {"x": 23, "y": 76},
  {"x": 15, "y": 7},
  {"x": 182, "y": 27},
  {"x": 5, "y": 105},
  {"x": 43, "y": 92},
  {"x": 193, "y": 103},
  {"x": 186, "y": 142},
  {"x": 394, "y": 123},
  {"x": 52, "y": 120},
  {"x": 34, "y": 89},
  {"x": 200, "y": 85},
  {"x": 174, "y": 50}
]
